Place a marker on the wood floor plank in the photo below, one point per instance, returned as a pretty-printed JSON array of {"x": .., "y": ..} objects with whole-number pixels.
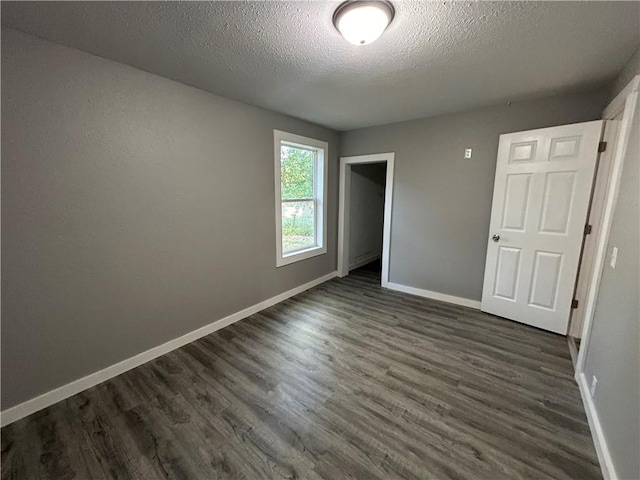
[{"x": 346, "y": 380}]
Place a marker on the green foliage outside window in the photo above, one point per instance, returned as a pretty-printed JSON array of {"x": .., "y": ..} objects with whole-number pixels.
[{"x": 297, "y": 172}]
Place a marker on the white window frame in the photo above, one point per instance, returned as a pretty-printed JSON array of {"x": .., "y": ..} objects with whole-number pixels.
[{"x": 320, "y": 188}]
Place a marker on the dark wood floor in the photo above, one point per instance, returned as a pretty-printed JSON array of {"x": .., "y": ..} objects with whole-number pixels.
[{"x": 346, "y": 380}]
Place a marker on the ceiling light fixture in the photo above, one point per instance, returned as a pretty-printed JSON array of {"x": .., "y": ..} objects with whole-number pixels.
[{"x": 361, "y": 22}]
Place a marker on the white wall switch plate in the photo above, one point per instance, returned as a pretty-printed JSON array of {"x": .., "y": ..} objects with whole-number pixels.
[
  {"x": 594, "y": 384},
  {"x": 614, "y": 257},
  {"x": 467, "y": 153}
]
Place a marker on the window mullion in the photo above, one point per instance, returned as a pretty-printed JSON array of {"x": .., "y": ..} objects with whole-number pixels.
[{"x": 292, "y": 200}]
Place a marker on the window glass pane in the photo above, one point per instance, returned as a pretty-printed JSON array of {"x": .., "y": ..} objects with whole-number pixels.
[
  {"x": 296, "y": 171},
  {"x": 298, "y": 229}
]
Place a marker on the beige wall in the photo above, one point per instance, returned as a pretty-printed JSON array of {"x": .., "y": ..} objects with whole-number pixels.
[
  {"x": 442, "y": 203},
  {"x": 134, "y": 210}
]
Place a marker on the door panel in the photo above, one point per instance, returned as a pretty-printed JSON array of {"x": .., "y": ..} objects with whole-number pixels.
[
  {"x": 523, "y": 152},
  {"x": 507, "y": 272},
  {"x": 565, "y": 148},
  {"x": 556, "y": 206},
  {"x": 546, "y": 276},
  {"x": 515, "y": 201},
  {"x": 541, "y": 195}
]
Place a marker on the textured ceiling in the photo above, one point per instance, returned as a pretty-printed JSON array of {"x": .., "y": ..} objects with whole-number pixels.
[{"x": 435, "y": 57}]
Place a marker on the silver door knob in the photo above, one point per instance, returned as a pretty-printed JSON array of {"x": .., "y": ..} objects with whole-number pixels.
[{"x": 495, "y": 237}]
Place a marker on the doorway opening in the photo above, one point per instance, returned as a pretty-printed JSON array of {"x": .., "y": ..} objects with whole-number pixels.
[
  {"x": 600, "y": 192},
  {"x": 364, "y": 218}
]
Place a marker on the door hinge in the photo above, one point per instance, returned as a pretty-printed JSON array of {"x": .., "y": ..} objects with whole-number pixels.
[
  {"x": 587, "y": 229},
  {"x": 574, "y": 303},
  {"x": 602, "y": 147}
]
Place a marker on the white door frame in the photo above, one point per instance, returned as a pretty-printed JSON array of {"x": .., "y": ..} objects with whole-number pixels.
[
  {"x": 624, "y": 101},
  {"x": 345, "y": 202},
  {"x": 589, "y": 241}
]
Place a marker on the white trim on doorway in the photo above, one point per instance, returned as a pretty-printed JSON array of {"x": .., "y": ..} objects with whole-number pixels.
[
  {"x": 627, "y": 101},
  {"x": 343, "y": 212},
  {"x": 590, "y": 242}
]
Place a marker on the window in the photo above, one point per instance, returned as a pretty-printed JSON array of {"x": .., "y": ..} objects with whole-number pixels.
[{"x": 301, "y": 188}]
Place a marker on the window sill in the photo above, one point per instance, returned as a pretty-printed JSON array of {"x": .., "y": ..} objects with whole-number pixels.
[{"x": 299, "y": 255}]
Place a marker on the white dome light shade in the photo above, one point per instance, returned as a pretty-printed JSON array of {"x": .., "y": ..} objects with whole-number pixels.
[{"x": 362, "y": 23}]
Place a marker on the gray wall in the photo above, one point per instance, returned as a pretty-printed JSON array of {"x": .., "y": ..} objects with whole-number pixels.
[
  {"x": 366, "y": 215},
  {"x": 613, "y": 351},
  {"x": 442, "y": 203},
  {"x": 630, "y": 70},
  {"x": 134, "y": 209}
]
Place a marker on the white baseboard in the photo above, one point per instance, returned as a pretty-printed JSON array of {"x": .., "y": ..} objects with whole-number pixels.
[
  {"x": 364, "y": 261},
  {"x": 599, "y": 440},
  {"x": 45, "y": 400},
  {"x": 465, "y": 302}
]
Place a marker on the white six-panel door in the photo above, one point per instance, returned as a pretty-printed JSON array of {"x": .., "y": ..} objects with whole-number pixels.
[{"x": 540, "y": 202}]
